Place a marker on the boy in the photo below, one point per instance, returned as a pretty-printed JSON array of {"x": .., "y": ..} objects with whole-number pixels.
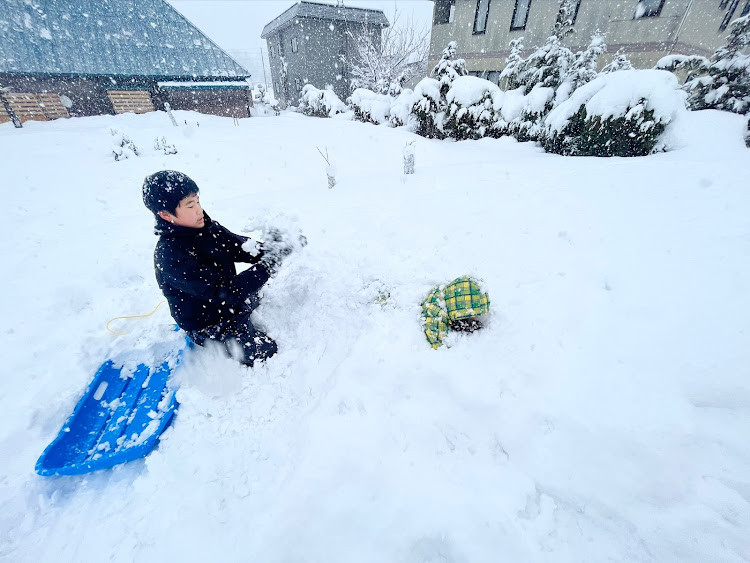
[{"x": 194, "y": 263}]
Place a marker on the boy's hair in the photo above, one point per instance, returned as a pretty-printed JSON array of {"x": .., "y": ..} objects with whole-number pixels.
[{"x": 163, "y": 191}]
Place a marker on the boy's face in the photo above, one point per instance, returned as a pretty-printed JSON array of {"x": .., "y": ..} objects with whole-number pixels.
[{"x": 189, "y": 213}]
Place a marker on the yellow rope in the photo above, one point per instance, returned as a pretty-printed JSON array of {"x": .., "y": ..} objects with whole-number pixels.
[{"x": 132, "y": 317}]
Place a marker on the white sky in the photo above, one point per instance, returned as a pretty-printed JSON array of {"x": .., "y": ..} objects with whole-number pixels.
[{"x": 236, "y": 25}]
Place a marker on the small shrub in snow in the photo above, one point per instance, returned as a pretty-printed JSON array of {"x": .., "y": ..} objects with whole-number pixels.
[
  {"x": 370, "y": 107},
  {"x": 619, "y": 62},
  {"x": 164, "y": 146},
  {"x": 320, "y": 103},
  {"x": 618, "y": 114},
  {"x": 426, "y": 109},
  {"x": 472, "y": 104},
  {"x": 747, "y": 133},
  {"x": 122, "y": 147},
  {"x": 409, "y": 157}
]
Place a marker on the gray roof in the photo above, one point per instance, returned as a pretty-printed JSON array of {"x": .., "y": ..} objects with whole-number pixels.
[
  {"x": 107, "y": 37},
  {"x": 326, "y": 12}
]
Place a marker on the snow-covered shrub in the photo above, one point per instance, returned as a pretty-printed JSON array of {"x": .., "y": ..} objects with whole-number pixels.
[
  {"x": 472, "y": 104},
  {"x": 122, "y": 147},
  {"x": 398, "y": 113},
  {"x": 721, "y": 82},
  {"x": 370, "y": 107},
  {"x": 747, "y": 132},
  {"x": 617, "y": 114},
  {"x": 619, "y": 62},
  {"x": 320, "y": 103},
  {"x": 727, "y": 84},
  {"x": 163, "y": 146},
  {"x": 426, "y": 109},
  {"x": 522, "y": 115}
]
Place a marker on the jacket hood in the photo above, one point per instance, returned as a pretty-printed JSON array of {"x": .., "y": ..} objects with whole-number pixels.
[{"x": 165, "y": 228}]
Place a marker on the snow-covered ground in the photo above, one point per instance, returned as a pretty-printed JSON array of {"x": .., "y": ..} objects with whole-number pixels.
[{"x": 602, "y": 415}]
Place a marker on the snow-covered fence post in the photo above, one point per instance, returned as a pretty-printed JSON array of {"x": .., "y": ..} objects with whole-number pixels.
[
  {"x": 168, "y": 109},
  {"x": 409, "y": 158},
  {"x": 330, "y": 169}
]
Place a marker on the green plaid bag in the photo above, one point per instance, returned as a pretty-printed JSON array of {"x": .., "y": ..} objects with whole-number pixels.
[{"x": 461, "y": 299}]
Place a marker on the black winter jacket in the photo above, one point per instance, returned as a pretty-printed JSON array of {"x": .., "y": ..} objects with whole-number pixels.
[{"x": 195, "y": 271}]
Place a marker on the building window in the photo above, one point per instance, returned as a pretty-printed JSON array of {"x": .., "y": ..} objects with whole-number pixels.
[
  {"x": 481, "y": 16},
  {"x": 294, "y": 44},
  {"x": 520, "y": 15},
  {"x": 648, "y": 9},
  {"x": 273, "y": 51},
  {"x": 491, "y": 75},
  {"x": 298, "y": 84},
  {"x": 575, "y": 14},
  {"x": 445, "y": 11}
]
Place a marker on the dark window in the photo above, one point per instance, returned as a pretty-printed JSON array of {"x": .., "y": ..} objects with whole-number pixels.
[
  {"x": 648, "y": 9},
  {"x": 273, "y": 51},
  {"x": 298, "y": 84},
  {"x": 520, "y": 15},
  {"x": 294, "y": 44},
  {"x": 481, "y": 15},
  {"x": 444, "y": 11},
  {"x": 575, "y": 14}
]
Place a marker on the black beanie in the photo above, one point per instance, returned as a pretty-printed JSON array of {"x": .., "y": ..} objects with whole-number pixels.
[{"x": 164, "y": 190}]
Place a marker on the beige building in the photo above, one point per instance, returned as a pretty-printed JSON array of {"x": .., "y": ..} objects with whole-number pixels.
[{"x": 644, "y": 30}]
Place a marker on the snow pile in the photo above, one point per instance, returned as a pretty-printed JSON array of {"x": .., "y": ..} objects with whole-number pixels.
[{"x": 601, "y": 414}]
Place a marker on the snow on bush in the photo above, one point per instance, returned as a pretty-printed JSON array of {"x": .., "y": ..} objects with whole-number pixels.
[
  {"x": 370, "y": 107},
  {"x": 522, "y": 115},
  {"x": 398, "y": 114},
  {"x": 726, "y": 85},
  {"x": 320, "y": 103},
  {"x": 472, "y": 105},
  {"x": 122, "y": 146},
  {"x": 617, "y": 114},
  {"x": 426, "y": 109}
]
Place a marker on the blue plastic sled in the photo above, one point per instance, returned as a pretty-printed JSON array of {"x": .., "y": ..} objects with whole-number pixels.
[{"x": 118, "y": 419}]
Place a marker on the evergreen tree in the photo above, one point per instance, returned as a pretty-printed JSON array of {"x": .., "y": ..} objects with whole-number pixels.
[
  {"x": 514, "y": 73},
  {"x": 449, "y": 68},
  {"x": 584, "y": 67},
  {"x": 725, "y": 85},
  {"x": 548, "y": 65},
  {"x": 564, "y": 20}
]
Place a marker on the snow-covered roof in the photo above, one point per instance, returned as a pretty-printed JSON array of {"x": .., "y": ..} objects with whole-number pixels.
[
  {"x": 327, "y": 12},
  {"x": 177, "y": 85},
  {"x": 107, "y": 37}
]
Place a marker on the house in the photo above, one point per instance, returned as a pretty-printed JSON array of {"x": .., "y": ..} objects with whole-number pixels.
[
  {"x": 644, "y": 30},
  {"x": 61, "y": 58},
  {"x": 307, "y": 42}
]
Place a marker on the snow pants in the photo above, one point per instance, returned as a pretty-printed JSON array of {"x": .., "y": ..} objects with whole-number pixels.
[{"x": 240, "y": 338}]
